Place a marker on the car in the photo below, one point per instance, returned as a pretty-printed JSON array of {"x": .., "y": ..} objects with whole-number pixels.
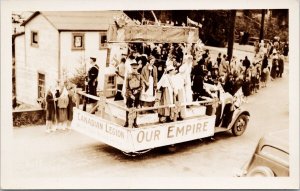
[
  {"x": 252, "y": 40},
  {"x": 271, "y": 156}
]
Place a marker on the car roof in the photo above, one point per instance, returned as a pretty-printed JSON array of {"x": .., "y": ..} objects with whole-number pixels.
[{"x": 278, "y": 139}]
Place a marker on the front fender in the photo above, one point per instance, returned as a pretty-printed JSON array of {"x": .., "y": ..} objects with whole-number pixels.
[{"x": 236, "y": 114}]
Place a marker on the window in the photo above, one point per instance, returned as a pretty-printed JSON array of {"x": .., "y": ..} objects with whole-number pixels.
[
  {"x": 111, "y": 80},
  {"x": 107, "y": 57},
  {"x": 275, "y": 154},
  {"x": 34, "y": 39},
  {"x": 78, "y": 41},
  {"x": 41, "y": 85},
  {"x": 103, "y": 40}
]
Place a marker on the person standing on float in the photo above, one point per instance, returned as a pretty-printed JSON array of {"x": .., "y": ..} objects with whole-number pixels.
[
  {"x": 149, "y": 79},
  {"x": 185, "y": 72},
  {"x": 93, "y": 78}
]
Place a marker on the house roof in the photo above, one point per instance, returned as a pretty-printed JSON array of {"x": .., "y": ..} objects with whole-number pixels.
[{"x": 78, "y": 20}]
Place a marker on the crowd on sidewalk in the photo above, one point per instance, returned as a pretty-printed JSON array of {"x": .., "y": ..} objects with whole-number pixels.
[{"x": 60, "y": 100}]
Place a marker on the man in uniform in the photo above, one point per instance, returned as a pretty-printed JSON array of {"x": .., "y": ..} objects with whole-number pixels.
[
  {"x": 92, "y": 78},
  {"x": 133, "y": 90}
]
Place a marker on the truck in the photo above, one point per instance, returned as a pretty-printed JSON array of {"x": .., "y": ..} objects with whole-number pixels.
[{"x": 204, "y": 118}]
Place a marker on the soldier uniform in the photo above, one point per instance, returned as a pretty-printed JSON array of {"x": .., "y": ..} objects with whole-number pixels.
[
  {"x": 92, "y": 79},
  {"x": 133, "y": 91}
]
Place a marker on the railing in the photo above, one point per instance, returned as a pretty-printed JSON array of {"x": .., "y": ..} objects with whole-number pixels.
[{"x": 100, "y": 106}]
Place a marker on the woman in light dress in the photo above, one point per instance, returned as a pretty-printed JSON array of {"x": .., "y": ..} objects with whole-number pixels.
[
  {"x": 149, "y": 79},
  {"x": 185, "y": 72},
  {"x": 167, "y": 98},
  {"x": 172, "y": 86},
  {"x": 62, "y": 105}
]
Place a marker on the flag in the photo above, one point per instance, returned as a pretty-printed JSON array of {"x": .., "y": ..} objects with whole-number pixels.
[
  {"x": 193, "y": 23},
  {"x": 238, "y": 98}
]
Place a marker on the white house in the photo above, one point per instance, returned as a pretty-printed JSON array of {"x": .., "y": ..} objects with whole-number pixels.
[{"x": 55, "y": 44}]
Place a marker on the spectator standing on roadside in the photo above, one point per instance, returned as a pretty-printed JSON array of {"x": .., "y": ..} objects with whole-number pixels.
[
  {"x": 62, "y": 104},
  {"x": 261, "y": 48},
  {"x": 73, "y": 99},
  {"x": 271, "y": 47},
  {"x": 256, "y": 47},
  {"x": 224, "y": 67},
  {"x": 280, "y": 65},
  {"x": 286, "y": 50},
  {"x": 50, "y": 111},
  {"x": 265, "y": 72},
  {"x": 219, "y": 59},
  {"x": 246, "y": 63},
  {"x": 247, "y": 82},
  {"x": 274, "y": 68}
]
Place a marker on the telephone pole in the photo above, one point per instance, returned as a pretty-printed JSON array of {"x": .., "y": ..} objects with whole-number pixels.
[
  {"x": 232, "y": 15},
  {"x": 262, "y": 24}
]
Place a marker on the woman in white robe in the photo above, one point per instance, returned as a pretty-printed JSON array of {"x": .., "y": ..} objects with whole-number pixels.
[{"x": 185, "y": 72}]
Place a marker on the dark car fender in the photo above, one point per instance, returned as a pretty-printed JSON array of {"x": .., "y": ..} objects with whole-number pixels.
[{"x": 236, "y": 114}]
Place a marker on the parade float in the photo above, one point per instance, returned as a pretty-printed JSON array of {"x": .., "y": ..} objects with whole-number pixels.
[{"x": 203, "y": 118}]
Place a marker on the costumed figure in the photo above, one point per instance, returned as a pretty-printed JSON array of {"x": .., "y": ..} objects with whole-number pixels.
[{"x": 149, "y": 78}]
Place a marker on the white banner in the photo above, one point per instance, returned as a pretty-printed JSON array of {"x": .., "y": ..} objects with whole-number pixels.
[
  {"x": 130, "y": 140},
  {"x": 174, "y": 132},
  {"x": 101, "y": 129}
]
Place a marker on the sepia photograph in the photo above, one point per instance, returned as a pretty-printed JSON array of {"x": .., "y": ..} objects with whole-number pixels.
[{"x": 174, "y": 95}]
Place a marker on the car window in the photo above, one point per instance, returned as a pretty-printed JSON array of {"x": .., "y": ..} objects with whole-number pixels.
[{"x": 275, "y": 154}]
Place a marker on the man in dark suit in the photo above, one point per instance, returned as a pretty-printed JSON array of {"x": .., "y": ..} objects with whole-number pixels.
[{"x": 92, "y": 78}]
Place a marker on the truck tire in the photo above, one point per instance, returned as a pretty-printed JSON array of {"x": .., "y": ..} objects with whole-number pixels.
[
  {"x": 261, "y": 171},
  {"x": 171, "y": 148},
  {"x": 240, "y": 125}
]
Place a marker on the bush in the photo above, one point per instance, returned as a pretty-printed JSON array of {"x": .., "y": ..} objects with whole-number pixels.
[{"x": 79, "y": 78}]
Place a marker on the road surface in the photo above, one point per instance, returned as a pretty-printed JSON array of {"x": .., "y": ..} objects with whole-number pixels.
[{"x": 35, "y": 155}]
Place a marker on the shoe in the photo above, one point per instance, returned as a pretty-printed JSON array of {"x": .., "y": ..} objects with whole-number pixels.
[
  {"x": 53, "y": 130},
  {"x": 135, "y": 125},
  {"x": 126, "y": 124},
  {"x": 179, "y": 119},
  {"x": 169, "y": 119},
  {"x": 48, "y": 131}
]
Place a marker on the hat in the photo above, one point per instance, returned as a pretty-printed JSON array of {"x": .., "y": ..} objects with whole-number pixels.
[
  {"x": 215, "y": 66},
  {"x": 170, "y": 67},
  {"x": 93, "y": 58},
  {"x": 151, "y": 57},
  {"x": 189, "y": 56},
  {"x": 133, "y": 63}
]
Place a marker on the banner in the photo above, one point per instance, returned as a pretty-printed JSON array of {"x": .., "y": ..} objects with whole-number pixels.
[
  {"x": 136, "y": 139},
  {"x": 190, "y": 22},
  {"x": 101, "y": 130},
  {"x": 153, "y": 33},
  {"x": 172, "y": 133}
]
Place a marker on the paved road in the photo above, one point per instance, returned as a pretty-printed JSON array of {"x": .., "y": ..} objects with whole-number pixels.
[{"x": 68, "y": 154}]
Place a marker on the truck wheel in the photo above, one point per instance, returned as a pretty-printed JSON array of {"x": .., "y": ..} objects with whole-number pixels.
[
  {"x": 171, "y": 148},
  {"x": 240, "y": 125},
  {"x": 261, "y": 171}
]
